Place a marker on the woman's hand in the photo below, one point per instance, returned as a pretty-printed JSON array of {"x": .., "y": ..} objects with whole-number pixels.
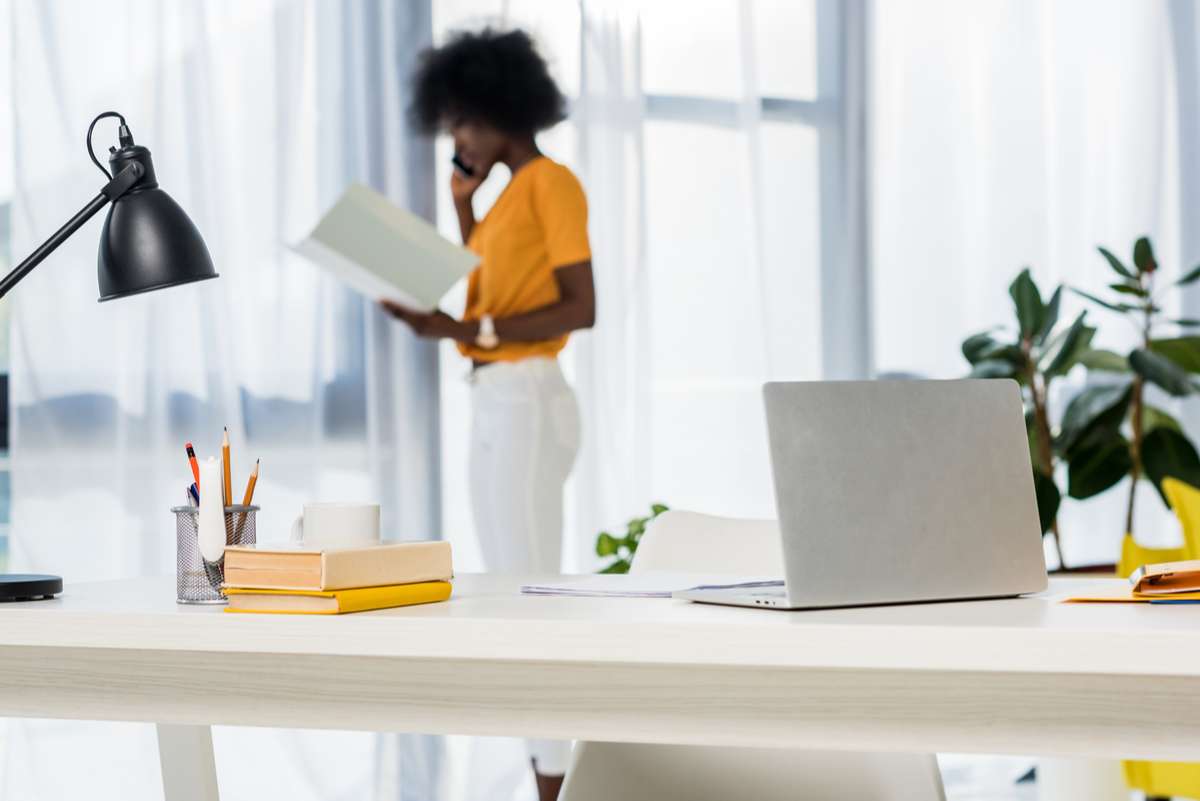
[
  {"x": 463, "y": 186},
  {"x": 462, "y": 189},
  {"x": 430, "y": 325}
]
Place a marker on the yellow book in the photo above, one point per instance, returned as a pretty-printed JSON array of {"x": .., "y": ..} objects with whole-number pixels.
[
  {"x": 335, "y": 602},
  {"x": 1124, "y": 595}
]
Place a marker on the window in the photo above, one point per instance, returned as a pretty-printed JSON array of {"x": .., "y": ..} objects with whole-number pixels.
[{"x": 734, "y": 216}]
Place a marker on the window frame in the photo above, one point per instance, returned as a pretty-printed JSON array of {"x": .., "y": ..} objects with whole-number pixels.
[{"x": 843, "y": 271}]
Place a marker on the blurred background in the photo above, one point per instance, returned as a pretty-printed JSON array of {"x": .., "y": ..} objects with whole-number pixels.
[{"x": 778, "y": 189}]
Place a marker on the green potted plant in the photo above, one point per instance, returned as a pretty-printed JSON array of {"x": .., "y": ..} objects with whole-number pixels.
[
  {"x": 621, "y": 549},
  {"x": 1111, "y": 430},
  {"x": 1035, "y": 352}
]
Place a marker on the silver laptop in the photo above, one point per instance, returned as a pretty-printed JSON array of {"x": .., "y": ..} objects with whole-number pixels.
[{"x": 898, "y": 492}]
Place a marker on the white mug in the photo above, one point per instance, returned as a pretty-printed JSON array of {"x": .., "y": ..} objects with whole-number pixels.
[{"x": 337, "y": 525}]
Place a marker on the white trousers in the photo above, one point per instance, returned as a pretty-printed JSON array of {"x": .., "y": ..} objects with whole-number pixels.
[{"x": 524, "y": 439}]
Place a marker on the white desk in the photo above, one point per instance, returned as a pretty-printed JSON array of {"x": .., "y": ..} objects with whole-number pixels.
[{"x": 1022, "y": 676}]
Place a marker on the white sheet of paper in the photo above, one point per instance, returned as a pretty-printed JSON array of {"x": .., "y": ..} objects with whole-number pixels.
[
  {"x": 646, "y": 585},
  {"x": 384, "y": 251}
]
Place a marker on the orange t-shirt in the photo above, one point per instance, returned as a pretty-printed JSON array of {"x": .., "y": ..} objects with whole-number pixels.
[{"x": 538, "y": 223}]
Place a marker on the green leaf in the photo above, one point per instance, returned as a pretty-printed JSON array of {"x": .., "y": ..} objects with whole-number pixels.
[
  {"x": 1186, "y": 322},
  {"x": 1104, "y": 360},
  {"x": 1102, "y": 407},
  {"x": 658, "y": 508},
  {"x": 1097, "y": 467},
  {"x": 1190, "y": 277},
  {"x": 1009, "y": 353},
  {"x": 1048, "y": 499},
  {"x": 1127, "y": 289},
  {"x": 1161, "y": 371},
  {"x": 1051, "y": 316},
  {"x": 1118, "y": 307},
  {"x": 1153, "y": 417},
  {"x": 1143, "y": 256},
  {"x": 1166, "y": 452},
  {"x": 993, "y": 368},
  {"x": 606, "y": 544},
  {"x": 1184, "y": 351},
  {"x": 619, "y": 566},
  {"x": 1059, "y": 359},
  {"x": 1115, "y": 263},
  {"x": 976, "y": 347},
  {"x": 1028, "y": 302}
]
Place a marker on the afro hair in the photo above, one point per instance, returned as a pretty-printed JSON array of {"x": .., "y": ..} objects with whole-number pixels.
[{"x": 493, "y": 77}]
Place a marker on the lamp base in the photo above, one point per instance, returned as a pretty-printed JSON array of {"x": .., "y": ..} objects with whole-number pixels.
[{"x": 29, "y": 586}]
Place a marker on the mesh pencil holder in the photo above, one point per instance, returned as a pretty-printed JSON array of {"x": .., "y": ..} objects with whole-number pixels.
[{"x": 195, "y": 582}]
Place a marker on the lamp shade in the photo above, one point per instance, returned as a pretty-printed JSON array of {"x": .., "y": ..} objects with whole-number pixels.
[{"x": 148, "y": 241}]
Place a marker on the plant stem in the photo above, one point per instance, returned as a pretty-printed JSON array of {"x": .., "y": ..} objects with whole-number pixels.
[
  {"x": 1135, "y": 450},
  {"x": 1038, "y": 390},
  {"x": 1135, "y": 409}
]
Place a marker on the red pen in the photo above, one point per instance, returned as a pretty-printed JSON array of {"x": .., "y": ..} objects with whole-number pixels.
[{"x": 192, "y": 460}]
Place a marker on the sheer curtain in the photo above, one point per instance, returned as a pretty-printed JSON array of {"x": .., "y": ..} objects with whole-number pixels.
[
  {"x": 612, "y": 374},
  {"x": 258, "y": 115},
  {"x": 1012, "y": 134},
  {"x": 719, "y": 156}
]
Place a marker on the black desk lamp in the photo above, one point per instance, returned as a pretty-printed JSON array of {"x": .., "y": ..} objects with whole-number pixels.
[{"x": 147, "y": 243}]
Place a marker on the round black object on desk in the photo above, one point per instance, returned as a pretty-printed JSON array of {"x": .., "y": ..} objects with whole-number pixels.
[{"x": 29, "y": 586}]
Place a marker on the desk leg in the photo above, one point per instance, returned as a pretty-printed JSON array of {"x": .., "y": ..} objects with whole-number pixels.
[{"x": 189, "y": 771}]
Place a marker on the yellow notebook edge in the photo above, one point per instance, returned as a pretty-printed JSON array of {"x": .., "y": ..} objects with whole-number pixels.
[
  {"x": 236, "y": 590},
  {"x": 1130, "y": 598},
  {"x": 280, "y": 588}
]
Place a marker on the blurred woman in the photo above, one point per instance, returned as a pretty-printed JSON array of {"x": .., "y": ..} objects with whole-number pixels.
[{"x": 493, "y": 93}]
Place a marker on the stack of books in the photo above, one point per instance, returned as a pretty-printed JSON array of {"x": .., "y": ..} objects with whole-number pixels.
[{"x": 332, "y": 582}]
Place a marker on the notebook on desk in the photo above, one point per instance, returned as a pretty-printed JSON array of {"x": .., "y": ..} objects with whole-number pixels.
[{"x": 645, "y": 585}]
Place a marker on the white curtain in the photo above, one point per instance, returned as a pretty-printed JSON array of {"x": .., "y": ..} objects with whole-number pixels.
[
  {"x": 612, "y": 374},
  {"x": 715, "y": 147},
  {"x": 1011, "y": 134},
  {"x": 258, "y": 114}
]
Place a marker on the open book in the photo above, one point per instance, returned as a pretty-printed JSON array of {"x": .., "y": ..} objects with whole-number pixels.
[{"x": 383, "y": 251}]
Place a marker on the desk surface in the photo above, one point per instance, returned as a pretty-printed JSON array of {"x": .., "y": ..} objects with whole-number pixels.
[
  {"x": 489, "y": 618},
  {"x": 1026, "y": 675}
]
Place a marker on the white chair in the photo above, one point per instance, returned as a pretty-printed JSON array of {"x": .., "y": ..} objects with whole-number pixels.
[{"x": 690, "y": 542}]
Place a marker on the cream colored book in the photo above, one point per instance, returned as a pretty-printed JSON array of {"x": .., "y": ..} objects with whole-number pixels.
[
  {"x": 384, "y": 251},
  {"x": 269, "y": 568}
]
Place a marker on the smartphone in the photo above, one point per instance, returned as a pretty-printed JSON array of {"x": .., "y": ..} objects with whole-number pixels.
[{"x": 463, "y": 168}]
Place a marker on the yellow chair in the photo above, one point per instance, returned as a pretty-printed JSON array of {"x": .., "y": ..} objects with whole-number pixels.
[
  {"x": 1185, "y": 500},
  {"x": 1166, "y": 778}
]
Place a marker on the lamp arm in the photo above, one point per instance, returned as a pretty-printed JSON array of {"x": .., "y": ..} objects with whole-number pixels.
[{"x": 118, "y": 186}]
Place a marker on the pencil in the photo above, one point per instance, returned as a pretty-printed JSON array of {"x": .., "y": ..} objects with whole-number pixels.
[
  {"x": 250, "y": 484},
  {"x": 191, "y": 454},
  {"x": 228, "y": 468},
  {"x": 246, "y": 499}
]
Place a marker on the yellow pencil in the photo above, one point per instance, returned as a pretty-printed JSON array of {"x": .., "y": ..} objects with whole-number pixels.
[
  {"x": 250, "y": 484},
  {"x": 228, "y": 468},
  {"x": 246, "y": 499}
]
